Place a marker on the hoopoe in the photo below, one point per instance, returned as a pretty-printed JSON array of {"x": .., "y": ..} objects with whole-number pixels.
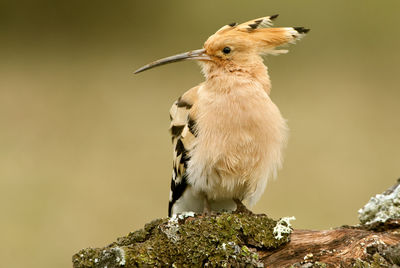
[{"x": 227, "y": 134}]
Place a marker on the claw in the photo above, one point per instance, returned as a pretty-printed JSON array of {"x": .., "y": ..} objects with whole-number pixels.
[{"x": 241, "y": 208}]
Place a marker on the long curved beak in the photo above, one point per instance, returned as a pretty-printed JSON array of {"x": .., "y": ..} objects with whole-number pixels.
[{"x": 198, "y": 54}]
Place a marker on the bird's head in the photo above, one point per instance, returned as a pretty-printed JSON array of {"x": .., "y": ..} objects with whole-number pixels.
[{"x": 234, "y": 46}]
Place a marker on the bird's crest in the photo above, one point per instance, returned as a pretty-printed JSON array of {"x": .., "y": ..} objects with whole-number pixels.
[
  {"x": 264, "y": 22},
  {"x": 254, "y": 35}
]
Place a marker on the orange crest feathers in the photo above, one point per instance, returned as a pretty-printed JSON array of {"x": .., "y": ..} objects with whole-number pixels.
[
  {"x": 264, "y": 22},
  {"x": 255, "y": 35},
  {"x": 259, "y": 23}
]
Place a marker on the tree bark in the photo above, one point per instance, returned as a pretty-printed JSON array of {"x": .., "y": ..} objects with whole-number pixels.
[{"x": 342, "y": 247}]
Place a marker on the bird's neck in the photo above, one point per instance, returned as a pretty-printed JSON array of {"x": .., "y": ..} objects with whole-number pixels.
[{"x": 226, "y": 78}]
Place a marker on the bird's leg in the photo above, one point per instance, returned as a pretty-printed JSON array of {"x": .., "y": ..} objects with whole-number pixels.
[
  {"x": 206, "y": 206},
  {"x": 240, "y": 207}
]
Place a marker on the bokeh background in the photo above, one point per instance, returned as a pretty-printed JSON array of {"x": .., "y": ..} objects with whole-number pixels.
[{"x": 85, "y": 154}]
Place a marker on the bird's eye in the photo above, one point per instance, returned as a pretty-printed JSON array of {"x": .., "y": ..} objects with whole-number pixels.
[{"x": 226, "y": 50}]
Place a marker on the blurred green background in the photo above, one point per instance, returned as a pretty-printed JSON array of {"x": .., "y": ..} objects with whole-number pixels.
[{"x": 85, "y": 154}]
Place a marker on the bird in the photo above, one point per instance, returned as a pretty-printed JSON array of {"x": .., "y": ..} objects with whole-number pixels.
[{"x": 228, "y": 136}]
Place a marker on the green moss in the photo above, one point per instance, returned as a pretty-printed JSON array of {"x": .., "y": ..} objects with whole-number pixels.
[
  {"x": 86, "y": 257},
  {"x": 108, "y": 257},
  {"x": 221, "y": 240},
  {"x": 377, "y": 261},
  {"x": 392, "y": 254}
]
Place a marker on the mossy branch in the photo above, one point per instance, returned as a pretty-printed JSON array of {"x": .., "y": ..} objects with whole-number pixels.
[{"x": 243, "y": 240}]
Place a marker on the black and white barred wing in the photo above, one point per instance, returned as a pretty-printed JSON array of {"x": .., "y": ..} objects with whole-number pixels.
[{"x": 182, "y": 131}]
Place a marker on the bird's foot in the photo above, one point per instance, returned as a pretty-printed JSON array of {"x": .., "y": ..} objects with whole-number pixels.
[
  {"x": 241, "y": 208},
  {"x": 206, "y": 212}
]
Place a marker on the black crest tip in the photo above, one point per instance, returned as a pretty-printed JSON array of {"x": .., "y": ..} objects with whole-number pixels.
[
  {"x": 233, "y": 24},
  {"x": 273, "y": 16},
  {"x": 253, "y": 26},
  {"x": 301, "y": 29}
]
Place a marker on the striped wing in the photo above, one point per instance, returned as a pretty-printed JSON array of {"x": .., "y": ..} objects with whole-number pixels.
[{"x": 183, "y": 135}]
